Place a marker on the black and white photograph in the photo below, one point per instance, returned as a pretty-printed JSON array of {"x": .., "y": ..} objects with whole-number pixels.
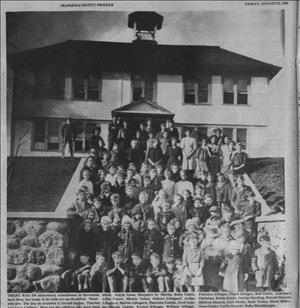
[{"x": 146, "y": 151}]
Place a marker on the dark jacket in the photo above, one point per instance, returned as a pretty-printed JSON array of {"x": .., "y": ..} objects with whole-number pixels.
[
  {"x": 153, "y": 243},
  {"x": 68, "y": 132}
]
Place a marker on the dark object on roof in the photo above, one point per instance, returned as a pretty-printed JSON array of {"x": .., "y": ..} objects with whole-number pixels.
[
  {"x": 140, "y": 58},
  {"x": 146, "y": 21}
]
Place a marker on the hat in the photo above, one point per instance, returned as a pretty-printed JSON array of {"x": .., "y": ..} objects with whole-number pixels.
[{"x": 126, "y": 219}]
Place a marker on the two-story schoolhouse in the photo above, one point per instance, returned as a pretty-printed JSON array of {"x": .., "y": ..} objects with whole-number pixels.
[{"x": 201, "y": 87}]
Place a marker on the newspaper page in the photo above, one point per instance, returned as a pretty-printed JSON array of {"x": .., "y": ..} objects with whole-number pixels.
[{"x": 149, "y": 154}]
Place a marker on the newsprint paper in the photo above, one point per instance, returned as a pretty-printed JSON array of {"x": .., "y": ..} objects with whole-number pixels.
[{"x": 149, "y": 154}]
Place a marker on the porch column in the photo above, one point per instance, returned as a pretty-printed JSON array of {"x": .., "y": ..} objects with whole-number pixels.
[{"x": 216, "y": 90}]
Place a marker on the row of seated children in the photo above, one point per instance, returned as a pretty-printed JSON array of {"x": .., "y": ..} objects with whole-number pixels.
[{"x": 214, "y": 258}]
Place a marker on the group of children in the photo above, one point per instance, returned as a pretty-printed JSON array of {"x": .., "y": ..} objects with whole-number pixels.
[{"x": 179, "y": 220}]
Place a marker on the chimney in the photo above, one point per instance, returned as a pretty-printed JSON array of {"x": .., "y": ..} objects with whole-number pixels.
[{"x": 145, "y": 25}]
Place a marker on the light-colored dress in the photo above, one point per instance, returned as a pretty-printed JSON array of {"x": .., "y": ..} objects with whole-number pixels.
[
  {"x": 189, "y": 146},
  {"x": 169, "y": 187},
  {"x": 192, "y": 261},
  {"x": 226, "y": 155},
  {"x": 267, "y": 267},
  {"x": 180, "y": 186},
  {"x": 236, "y": 267}
]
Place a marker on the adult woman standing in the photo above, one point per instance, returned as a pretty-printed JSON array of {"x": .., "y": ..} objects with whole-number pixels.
[{"x": 189, "y": 147}]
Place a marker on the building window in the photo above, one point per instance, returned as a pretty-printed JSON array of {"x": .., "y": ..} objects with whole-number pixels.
[
  {"x": 46, "y": 135},
  {"x": 79, "y": 136},
  {"x": 228, "y": 132},
  {"x": 53, "y": 135},
  {"x": 202, "y": 133},
  {"x": 196, "y": 91},
  {"x": 241, "y": 136},
  {"x": 39, "y": 131},
  {"x": 242, "y": 92},
  {"x": 87, "y": 87},
  {"x": 235, "y": 91},
  {"x": 228, "y": 91},
  {"x": 143, "y": 87}
]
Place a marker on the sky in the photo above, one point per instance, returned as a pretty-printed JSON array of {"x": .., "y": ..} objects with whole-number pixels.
[{"x": 258, "y": 35}]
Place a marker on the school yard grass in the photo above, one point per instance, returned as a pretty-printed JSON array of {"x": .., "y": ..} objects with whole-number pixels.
[
  {"x": 268, "y": 176},
  {"x": 38, "y": 183}
]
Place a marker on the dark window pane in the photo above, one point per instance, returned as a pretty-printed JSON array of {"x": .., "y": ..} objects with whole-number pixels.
[
  {"x": 228, "y": 98},
  {"x": 228, "y": 132},
  {"x": 143, "y": 87},
  {"x": 202, "y": 132},
  {"x": 79, "y": 87},
  {"x": 189, "y": 98},
  {"x": 53, "y": 127},
  {"x": 79, "y": 137},
  {"x": 203, "y": 96},
  {"x": 241, "y": 136},
  {"x": 53, "y": 135},
  {"x": 149, "y": 93},
  {"x": 189, "y": 92},
  {"x": 93, "y": 94},
  {"x": 242, "y": 99},
  {"x": 93, "y": 88},
  {"x": 39, "y": 131},
  {"x": 137, "y": 93},
  {"x": 53, "y": 146},
  {"x": 78, "y": 145}
]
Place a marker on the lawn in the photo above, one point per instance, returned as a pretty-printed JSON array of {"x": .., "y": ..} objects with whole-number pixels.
[
  {"x": 268, "y": 176},
  {"x": 38, "y": 183}
]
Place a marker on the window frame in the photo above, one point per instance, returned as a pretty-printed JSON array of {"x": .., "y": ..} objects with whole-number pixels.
[
  {"x": 144, "y": 78},
  {"x": 83, "y": 140},
  {"x": 86, "y": 77},
  {"x": 197, "y": 89},
  {"x": 236, "y": 92}
]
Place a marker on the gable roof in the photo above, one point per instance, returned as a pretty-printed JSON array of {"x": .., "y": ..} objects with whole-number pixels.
[
  {"x": 142, "y": 107},
  {"x": 137, "y": 58}
]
